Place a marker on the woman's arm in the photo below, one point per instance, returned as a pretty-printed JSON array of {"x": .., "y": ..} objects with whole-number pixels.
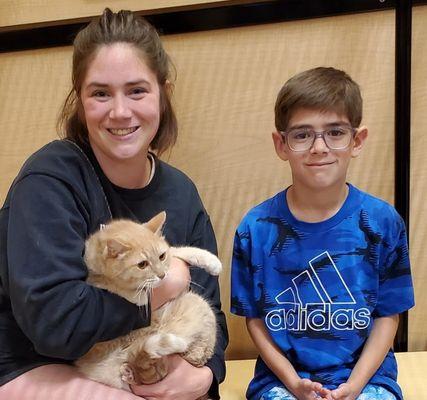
[
  {"x": 183, "y": 382},
  {"x": 53, "y": 305},
  {"x": 373, "y": 354},
  {"x": 175, "y": 282},
  {"x": 208, "y": 286}
]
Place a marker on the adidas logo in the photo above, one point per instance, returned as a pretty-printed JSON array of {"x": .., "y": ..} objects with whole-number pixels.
[{"x": 313, "y": 302}]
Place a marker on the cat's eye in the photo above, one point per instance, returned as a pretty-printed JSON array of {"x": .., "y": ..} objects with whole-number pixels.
[
  {"x": 143, "y": 264},
  {"x": 162, "y": 256}
]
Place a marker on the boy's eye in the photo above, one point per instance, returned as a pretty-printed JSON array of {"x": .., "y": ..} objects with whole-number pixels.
[
  {"x": 143, "y": 264},
  {"x": 302, "y": 135},
  {"x": 335, "y": 133},
  {"x": 162, "y": 256}
]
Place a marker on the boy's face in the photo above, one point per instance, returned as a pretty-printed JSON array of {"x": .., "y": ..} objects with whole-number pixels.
[{"x": 319, "y": 167}]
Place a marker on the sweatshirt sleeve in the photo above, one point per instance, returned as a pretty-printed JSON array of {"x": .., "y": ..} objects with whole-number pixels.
[
  {"x": 57, "y": 310},
  {"x": 208, "y": 286}
]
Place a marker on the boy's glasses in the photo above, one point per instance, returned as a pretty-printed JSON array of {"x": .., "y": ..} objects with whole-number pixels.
[{"x": 302, "y": 139}]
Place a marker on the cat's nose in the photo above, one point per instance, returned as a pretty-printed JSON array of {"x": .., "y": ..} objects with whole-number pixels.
[{"x": 161, "y": 275}]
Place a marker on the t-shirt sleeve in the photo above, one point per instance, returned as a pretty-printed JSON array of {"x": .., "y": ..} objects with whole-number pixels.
[
  {"x": 243, "y": 301},
  {"x": 395, "y": 292}
]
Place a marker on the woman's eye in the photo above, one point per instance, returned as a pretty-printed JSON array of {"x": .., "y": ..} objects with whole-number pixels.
[
  {"x": 162, "y": 256},
  {"x": 143, "y": 264},
  {"x": 138, "y": 91},
  {"x": 99, "y": 93}
]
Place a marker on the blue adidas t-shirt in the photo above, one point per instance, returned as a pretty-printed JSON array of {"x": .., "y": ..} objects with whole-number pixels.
[{"x": 318, "y": 286}]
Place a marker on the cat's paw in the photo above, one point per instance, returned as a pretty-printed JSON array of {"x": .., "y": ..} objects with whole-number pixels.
[
  {"x": 150, "y": 371},
  {"x": 214, "y": 265},
  {"x": 164, "y": 344},
  {"x": 198, "y": 258},
  {"x": 127, "y": 374}
]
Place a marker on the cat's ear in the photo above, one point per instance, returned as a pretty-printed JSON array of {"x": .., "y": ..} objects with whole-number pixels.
[
  {"x": 115, "y": 249},
  {"x": 156, "y": 223}
]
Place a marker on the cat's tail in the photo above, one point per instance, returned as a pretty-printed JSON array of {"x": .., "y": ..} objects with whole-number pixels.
[
  {"x": 164, "y": 344},
  {"x": 198, "y": 258}
]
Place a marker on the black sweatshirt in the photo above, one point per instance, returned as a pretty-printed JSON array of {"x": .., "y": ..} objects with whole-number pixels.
[{"x": 48, "y": 313}]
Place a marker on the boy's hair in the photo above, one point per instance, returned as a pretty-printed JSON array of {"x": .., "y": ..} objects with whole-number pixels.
[
  {"x": 108, "y": 29},
  {"x": 322, "y": 88}
]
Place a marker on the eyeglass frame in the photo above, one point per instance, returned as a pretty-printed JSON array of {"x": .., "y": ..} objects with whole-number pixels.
[{"x": 320, "y": 134}]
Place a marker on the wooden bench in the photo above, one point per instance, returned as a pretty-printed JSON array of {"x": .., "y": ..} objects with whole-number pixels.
[{"x": 412, "y": 376}]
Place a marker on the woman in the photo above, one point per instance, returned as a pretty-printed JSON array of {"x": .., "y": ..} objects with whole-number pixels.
[{"x": 117, "y": 112}]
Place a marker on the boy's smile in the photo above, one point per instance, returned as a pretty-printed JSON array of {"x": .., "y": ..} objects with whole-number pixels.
[{"x": 319, "y": 167}]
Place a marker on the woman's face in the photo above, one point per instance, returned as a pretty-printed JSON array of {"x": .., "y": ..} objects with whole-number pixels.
[{"x": 121, "y": 105}]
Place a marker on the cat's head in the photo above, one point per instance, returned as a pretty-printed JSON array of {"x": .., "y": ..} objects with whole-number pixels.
[{"x": 126, "y": 257}]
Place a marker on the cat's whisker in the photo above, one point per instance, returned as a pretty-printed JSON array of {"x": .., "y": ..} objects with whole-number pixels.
[
  {"x": 189, "y": 281},
  {"x": 143, "y": 289},
  {"x": 196, "y": 284},
  {"x": 140, "y": 292}
]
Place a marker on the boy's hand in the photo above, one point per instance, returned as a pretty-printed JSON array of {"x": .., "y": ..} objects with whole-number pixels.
[
  {"x": 345, "y": 392},
  {"x": 309, "y": 390}
]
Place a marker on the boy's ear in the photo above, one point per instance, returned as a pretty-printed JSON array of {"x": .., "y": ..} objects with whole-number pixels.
[
  {"x": 359, "y": 140},
  {"x": 280, "y": 146}
]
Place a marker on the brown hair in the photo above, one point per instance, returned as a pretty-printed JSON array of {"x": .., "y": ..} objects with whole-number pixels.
[
  {"x": 108, "y": 29},
  {"x": 322, "y": 88}
]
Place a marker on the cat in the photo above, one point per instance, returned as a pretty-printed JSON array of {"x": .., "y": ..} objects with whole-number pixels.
[{"x": 129, "y": 259}]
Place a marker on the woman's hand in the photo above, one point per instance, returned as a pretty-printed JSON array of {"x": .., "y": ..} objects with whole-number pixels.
[
  {"x": 183, "y": 382},
  {"x": 174, "y": 283}
]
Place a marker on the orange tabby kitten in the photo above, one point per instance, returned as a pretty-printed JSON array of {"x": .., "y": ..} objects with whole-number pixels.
[{"x": 128, "y": 259}]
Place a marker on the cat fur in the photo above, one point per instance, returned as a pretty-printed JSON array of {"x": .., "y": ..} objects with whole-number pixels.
[{"x": 129, "y": 259}]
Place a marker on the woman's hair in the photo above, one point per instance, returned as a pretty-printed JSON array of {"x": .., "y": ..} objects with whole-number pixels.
[
  {"x": 110, "y": 28},
  {"x": 322, "y": 88}
]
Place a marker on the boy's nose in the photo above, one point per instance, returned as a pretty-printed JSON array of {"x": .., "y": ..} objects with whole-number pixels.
[{"x": 319, "y": 146}]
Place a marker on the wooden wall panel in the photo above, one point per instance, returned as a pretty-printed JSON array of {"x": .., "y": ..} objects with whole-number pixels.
[
  {"x": 227, "y": 81},
  {"x": 418, "y": 209},
  {"x": 33, "y": 85},
  {"x": 225, "y": 93},
  {"x": 20, "y": 12}
]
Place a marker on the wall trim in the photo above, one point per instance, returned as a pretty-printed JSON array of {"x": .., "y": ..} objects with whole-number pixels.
[{"x": 61, "y": 33}]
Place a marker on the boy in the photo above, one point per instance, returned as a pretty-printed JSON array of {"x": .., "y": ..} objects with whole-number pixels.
[{"x": 321, "y": 270}]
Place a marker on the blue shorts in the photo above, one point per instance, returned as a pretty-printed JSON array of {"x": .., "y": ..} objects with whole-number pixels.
[{"x": 370, "y": 392}]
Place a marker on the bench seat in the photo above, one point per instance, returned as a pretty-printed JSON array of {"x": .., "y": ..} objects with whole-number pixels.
[{"x": 412, "y": 376}]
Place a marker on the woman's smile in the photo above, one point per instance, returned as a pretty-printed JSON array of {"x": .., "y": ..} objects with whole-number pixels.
[{"x": 122, "y": 131}]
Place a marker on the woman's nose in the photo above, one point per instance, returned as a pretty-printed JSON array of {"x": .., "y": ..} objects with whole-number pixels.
[{"x": 120, "y": 108}]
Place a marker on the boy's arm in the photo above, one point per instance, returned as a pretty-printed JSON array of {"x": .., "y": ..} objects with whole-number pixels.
[
  {"x": 373, "y": 354},
  {"x": 271, "y": 354},
  {"x": 280, "y": 365}
]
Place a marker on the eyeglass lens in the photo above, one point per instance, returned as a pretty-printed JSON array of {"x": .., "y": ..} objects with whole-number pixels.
[{"x": 335, "y": 139}]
